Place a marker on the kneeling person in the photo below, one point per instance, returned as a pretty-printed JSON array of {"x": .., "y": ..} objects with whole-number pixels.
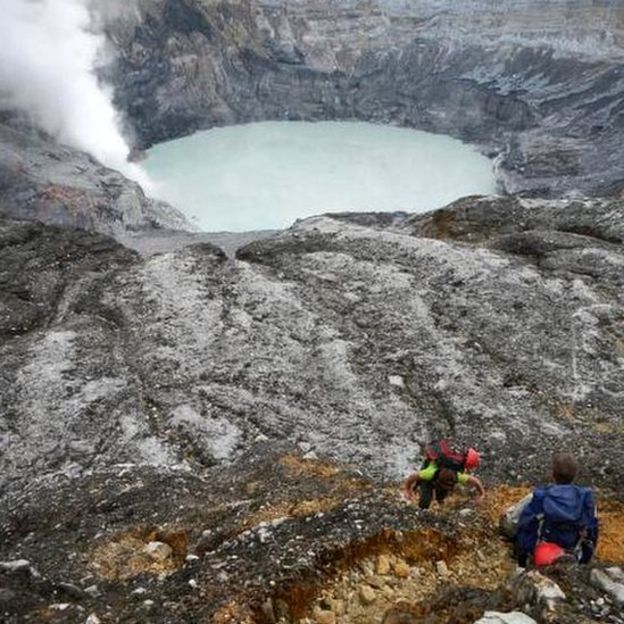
[{"x": 559, "y": 520}]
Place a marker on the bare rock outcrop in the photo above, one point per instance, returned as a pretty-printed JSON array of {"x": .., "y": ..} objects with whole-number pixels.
[
  {"x": 357, "y": 341},
  {"x": 58, "y": 185}
]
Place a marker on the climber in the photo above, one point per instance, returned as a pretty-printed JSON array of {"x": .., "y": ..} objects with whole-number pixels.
[
  {"x": 559, "y": 520},
  {"x": 442, "y": 469}
]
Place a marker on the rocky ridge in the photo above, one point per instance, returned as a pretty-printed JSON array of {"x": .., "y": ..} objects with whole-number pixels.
[{"x": 55, "y": 184}]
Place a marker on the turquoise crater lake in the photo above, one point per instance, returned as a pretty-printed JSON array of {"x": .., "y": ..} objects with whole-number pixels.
[{"x": 266, "y": 175}]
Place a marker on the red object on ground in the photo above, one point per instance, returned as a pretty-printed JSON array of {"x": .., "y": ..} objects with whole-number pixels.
[{"x": 546, "y": 553}]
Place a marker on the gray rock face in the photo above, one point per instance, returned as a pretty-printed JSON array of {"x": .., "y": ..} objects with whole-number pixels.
[
  {"x": 357, "y": 341},
  {"x": 496, "y": 320},
  {"x": 537, "y": 84},
  {"x": 540, "y": 93},
  {"x": 44, "y": 181},
  {"x": 611, "y": 581}
]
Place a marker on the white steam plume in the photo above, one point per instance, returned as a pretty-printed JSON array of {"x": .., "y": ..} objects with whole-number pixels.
[{"x": 47, "y": 59}]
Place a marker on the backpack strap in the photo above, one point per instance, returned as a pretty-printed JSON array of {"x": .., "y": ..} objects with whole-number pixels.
[{"x": 540, "y": 525}]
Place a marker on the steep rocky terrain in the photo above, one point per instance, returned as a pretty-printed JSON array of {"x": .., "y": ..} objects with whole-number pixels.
[
  {"x": 275, "y": 537},
  {"x": 146, "y": 401},
  {"x": 495, "y": 320},
  {"x": 42, "y": 180},
  {"x": 202, "y": 433}
]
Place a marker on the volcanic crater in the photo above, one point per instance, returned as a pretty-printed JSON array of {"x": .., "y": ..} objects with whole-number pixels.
[{"x": 213, "y": 428}]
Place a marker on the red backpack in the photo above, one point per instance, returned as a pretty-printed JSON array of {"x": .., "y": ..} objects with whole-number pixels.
[{"x": 443, "y": 453}]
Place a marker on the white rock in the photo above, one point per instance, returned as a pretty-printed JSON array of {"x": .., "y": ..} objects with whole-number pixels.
[
  {"x": 396, "y": 380},
  {"x": 513, "y": 617},
  {"x": 442, "y": 568},
  {"x": 14, "y": 566},
  {"x": 616, "y": 574},
  {"x": 549, "y": 591},
  {"x": 93, "y": 619},
  {"x": 604, "y": 580},
  {"x": 534, "y": 588},
  {"x": 92, "y": 591},
  {"x": 159, "y": 550}
]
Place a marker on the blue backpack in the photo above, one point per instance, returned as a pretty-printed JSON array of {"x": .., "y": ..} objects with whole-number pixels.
[{"x": 563, "y": 514}]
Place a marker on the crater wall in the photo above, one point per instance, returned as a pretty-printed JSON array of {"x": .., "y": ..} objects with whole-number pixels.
[{"x": 538, "y": 85}]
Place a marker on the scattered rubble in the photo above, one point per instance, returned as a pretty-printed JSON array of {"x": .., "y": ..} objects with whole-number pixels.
[{"x": 610, "y": 580}]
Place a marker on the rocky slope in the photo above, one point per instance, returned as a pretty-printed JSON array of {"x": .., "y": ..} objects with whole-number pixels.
[
  {"x": 274, "y": 538},
  {"x": 146, "y": 401},
  {"x": 55, "y": 184},
  {"x": 496, "y": 320},
  {"x": 537, "y": 84}
]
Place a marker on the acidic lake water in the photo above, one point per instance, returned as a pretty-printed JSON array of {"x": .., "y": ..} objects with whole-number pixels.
[{"x": 266, "y": 175}]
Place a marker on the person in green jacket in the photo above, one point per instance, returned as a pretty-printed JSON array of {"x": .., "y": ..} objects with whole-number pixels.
[{"x": 438, "y": 477}]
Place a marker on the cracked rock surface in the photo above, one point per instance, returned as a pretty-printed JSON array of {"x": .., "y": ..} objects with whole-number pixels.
[{"x": 497, "y": 321}]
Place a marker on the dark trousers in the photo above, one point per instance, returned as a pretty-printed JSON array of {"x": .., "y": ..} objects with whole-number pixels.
[{"x": 429, "y": 489}]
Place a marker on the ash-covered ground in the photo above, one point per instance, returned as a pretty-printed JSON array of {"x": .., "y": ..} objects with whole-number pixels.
[{"x": 147, "y": 399}]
